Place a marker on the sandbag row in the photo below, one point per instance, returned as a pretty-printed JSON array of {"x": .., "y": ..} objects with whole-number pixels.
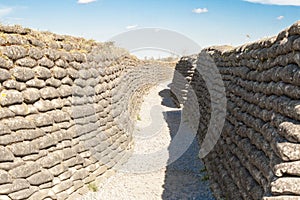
[
  {"x": 258, "y": 152},
  {"x": 67, "y": 111}
]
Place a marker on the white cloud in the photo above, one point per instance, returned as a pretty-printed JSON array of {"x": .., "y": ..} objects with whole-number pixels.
[
  {"x": 200, "y": 10},
  {"x": 85, "y": 1},
  {"x": 5, "y": 11},
  {"x": 277, "y": 2},
  {"x": 131, "y": 26},
  {"x": 280, "y": 17}
]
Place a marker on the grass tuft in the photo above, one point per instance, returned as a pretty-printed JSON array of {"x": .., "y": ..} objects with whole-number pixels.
[
  {"x": 93, "y": 187},
  {"x": 205, "y": 178},
  {"x": 139, "y": 118},
  {"x": 203, "y": 170}
]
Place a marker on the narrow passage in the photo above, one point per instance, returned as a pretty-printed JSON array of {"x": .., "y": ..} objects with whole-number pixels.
[{"x": 159, "y": 168}]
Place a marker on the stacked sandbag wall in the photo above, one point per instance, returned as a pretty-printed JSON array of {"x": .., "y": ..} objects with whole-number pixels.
[
  {"x": 258, "y": 153},
  {"x": 67, "y": 111}
]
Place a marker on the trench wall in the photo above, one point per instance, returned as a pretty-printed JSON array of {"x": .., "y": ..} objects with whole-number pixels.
[
  {"x": 67, "y": 111},
  {"x": 258, "y": 153}
]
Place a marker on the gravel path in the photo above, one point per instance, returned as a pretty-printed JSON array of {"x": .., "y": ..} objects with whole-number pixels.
[{"x": 164, "y": 164}]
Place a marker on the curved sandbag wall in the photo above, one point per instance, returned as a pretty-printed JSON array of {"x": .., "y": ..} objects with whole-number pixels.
[{"x": 67, "y": 110}]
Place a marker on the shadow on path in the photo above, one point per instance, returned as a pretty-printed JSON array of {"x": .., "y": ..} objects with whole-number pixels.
[{"x": 184, "y": 178}]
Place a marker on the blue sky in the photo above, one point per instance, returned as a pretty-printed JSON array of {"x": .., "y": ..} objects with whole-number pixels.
[{"x": 208, "y": 22}]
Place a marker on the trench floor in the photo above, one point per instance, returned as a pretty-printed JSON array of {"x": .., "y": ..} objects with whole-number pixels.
[{"x": 164, "y": 164}]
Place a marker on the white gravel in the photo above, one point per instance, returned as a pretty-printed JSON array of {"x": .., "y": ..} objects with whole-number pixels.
[{"x": 160, "y": 167}]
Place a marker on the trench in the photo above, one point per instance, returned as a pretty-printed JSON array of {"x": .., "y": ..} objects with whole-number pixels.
[
  {"x": 66, "y": 105},
  {"x": 160, "y": 167}
]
